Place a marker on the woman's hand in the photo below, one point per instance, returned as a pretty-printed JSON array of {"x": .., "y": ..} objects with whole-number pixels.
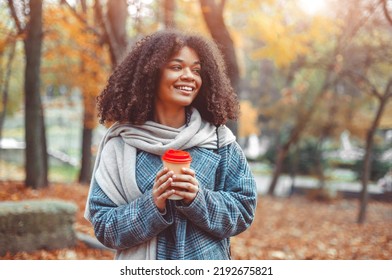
[
  {"x": 186, "y": 185},
  {"x": 163, "y": 180}
]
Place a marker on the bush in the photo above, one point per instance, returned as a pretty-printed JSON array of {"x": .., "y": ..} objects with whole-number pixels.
[
  {"x": 378, "y": 167},
  {"x": 302, "y": 160}
]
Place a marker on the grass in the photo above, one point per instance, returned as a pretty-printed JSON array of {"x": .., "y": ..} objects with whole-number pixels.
[
  {"x": 64, "y": 174},
  {"x": 16, "y": 133},
  {"x": 260, "y": 168},
  {"x": 58, "y": 174}
]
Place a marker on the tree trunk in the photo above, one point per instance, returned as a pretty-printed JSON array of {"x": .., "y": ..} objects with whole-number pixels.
[
  {"x": 293, "y": 138},
  {"x": 117, "y": 14},
  {"x": 293, "y": 170},
  {"x": 169, "y": 7},
  {"x": 302, "y": 121},
  {"x": 213, "y": 16},
  {"x": 36, "y": 154},
  {"x": 367, "y": 163},
  {"x": 282, "y": 153},
  {"x": 319, "y": 163},
  {"x": 386, "y": 11},
  {"x": 88, "y": 120},
  {"x": 86, "y": 168}
]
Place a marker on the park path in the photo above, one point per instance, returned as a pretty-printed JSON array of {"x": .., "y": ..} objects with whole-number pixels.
[{"x": 283, "y": 187}]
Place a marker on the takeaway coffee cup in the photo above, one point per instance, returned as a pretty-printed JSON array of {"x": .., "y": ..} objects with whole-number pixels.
[{"x": 174, "y": 160}]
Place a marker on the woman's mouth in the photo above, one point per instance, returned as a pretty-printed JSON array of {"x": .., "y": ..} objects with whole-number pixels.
[{"x": 185, "y": 89}]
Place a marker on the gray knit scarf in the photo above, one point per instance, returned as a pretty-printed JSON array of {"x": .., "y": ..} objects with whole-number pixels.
[{"x": 116, "y": 176}]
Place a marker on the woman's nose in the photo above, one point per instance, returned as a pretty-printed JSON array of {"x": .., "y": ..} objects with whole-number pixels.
[{"x": 187, "y": 74}]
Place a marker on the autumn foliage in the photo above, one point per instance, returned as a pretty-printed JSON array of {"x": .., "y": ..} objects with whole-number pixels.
[
  {"x": 284, "y": 228},
  {"x": 74, "y": 56},
  {"x": 303, "y": 77}
]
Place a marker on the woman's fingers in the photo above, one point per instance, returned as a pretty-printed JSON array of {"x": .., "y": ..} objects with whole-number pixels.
[
  {"x": 163, "y": 180},
  {"x": 188, "y": 171},
  {"x": 186, "y": 185},
  {"x": 161, "y": 172},
  {"x": 165, "y": 195},
  {"x": 160, "y": 188},
  {"x": 188, "y": 197},
  {"x": 186, "y": 177}
]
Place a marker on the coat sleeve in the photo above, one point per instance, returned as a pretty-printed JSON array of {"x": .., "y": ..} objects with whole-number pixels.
[
  {"x": 128, "y": 225},
  {"x": 230, "y": 210}
]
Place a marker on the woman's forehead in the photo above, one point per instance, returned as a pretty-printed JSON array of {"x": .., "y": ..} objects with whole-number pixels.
[{"x": 184, "y": 54}]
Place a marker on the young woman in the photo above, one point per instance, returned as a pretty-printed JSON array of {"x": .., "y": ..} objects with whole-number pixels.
[{"x": 170, "y": 92}]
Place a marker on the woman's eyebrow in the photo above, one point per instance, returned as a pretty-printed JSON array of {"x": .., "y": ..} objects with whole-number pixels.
[{"x": 197, "y": 62}]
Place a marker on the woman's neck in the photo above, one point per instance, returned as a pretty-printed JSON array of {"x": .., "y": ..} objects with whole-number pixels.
[{"x": 170, "y": 117}]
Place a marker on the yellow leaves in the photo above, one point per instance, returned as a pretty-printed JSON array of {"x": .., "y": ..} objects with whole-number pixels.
[
  {"x": 5, "y": 30},
  {"x": 282, "y": 51},
  {"x": 321, "y": 29},
  {"x": 248, "y": 119},
  {"x": 3, "y": 45},
  {"x": 74, "y": 57},
  {"x": 286, "y": 36},
  {"x": 246, "y": 7},
  {"x": 8, "y": 36},
  {"x": 386, "y": 119},
  {"x": 281, "y": 43}
]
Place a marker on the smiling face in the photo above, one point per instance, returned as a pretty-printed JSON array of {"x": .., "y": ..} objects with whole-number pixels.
[{"x": 180, "y": 80}]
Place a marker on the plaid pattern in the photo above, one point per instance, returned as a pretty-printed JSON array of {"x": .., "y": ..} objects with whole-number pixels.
[{"x": 224, "y": 207}]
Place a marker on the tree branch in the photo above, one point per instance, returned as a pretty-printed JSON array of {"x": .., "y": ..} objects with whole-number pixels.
[
  {"x": 15, "y": 16},
  {"x": 80, "y": 18},
  {"x": 221, "y": 6},
  {"x": 360, "y": 78},
  {"x": 108, "y": 35},
  {"x": 388, "y": 89},
  {"x": 384, "y": 4}
]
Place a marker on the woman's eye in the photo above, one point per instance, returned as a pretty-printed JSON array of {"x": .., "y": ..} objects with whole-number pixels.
[
  {"x": 197, "y": 70},
  {"x": 176, "y": 67}
]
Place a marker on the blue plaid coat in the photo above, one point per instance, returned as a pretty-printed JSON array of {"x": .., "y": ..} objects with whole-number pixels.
[{"x": 223, "y": 207}]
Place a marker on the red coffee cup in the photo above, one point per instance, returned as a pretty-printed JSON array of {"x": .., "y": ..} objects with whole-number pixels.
[{"x": 174, "y": 160}]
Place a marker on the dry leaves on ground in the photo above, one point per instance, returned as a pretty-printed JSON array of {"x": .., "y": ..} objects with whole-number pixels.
[{"x": 284, "y": 228}]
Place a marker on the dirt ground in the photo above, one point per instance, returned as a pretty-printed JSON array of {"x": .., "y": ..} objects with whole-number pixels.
[{"x": 284, "y": 228}]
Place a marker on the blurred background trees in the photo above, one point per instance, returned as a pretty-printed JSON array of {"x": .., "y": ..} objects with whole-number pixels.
[
  {"x": 27, "y": 18},
  {"x": 314, "y": 80}
]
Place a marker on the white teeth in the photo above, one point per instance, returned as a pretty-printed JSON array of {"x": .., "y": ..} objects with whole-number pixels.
[{"x": 185, "y": 88}]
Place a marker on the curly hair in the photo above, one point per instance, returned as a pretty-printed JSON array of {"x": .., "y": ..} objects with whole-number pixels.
[{"x": 131, "y": 89}]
